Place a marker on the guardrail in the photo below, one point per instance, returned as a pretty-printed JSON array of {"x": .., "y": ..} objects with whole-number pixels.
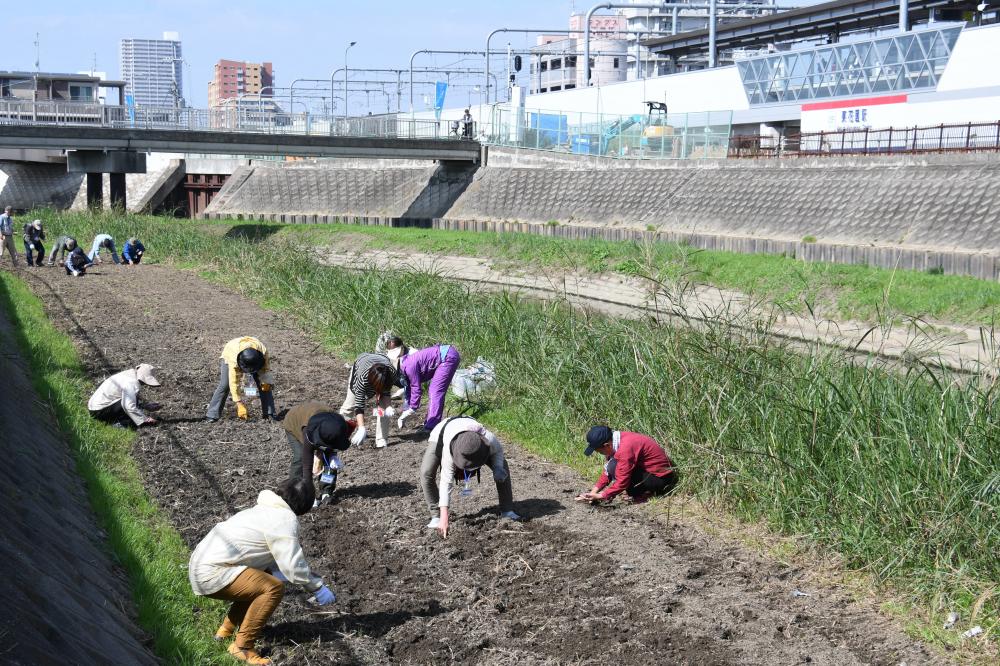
[
  {"x": 244, "y": 117},
  {"x": 967, "y": 137}
]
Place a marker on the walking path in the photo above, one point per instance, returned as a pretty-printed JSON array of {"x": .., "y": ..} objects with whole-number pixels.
[{"x": 964, "y": 349}]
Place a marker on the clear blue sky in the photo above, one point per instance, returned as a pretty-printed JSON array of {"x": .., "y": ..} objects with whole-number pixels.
[{"x": 303, "y": 38}]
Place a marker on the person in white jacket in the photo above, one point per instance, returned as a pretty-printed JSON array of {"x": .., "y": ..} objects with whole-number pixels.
[
  {"x": 457, "y": 448},
  {"x": 116, "y": 400},
  {"x": 245, "y": 560}
]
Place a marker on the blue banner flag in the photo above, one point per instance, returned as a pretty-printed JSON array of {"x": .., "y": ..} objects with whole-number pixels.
[{"x": 441, "y": 90}]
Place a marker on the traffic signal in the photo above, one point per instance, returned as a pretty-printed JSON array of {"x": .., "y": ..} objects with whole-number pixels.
[{"x": 517, "y": 63}]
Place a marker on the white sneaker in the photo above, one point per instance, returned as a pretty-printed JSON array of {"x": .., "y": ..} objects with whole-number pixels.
[
  {"x": 433, "y": 525},
  {"x": 381, "y": 443},
  {"x": 510, "y": 515}
]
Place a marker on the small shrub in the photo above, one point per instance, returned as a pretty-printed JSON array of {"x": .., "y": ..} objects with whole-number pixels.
[
  {"x": 808, "y": 239},
  {"x": 935, "y": 270},
  {"x": 552, "y": 223}
]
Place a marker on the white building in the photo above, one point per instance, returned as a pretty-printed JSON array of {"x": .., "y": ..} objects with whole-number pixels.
[
  {"x": 557, "y": 64},
  {"x": 152, "y": 70}
]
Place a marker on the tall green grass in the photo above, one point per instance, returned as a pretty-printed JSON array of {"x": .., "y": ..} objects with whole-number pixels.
[
  {"x": 141, "y": 538},
  {"x": 896, "y": 469}
]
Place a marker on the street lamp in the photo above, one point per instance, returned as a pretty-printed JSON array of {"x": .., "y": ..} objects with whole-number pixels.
[{"x": 345, "y": 77}]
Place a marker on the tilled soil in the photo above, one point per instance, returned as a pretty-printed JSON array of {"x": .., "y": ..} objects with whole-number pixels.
[{"x": 570, "y": 585}]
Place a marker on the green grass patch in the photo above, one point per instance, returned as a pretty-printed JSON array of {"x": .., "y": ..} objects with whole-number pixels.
[
  {"x": 895, "y": 470},
  {"x": 143, "y": 541}
]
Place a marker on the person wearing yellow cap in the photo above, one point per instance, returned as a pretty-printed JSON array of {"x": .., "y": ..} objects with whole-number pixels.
[
  {"x": 243, "y": 366},
  {"x": 116, "y": 400}
]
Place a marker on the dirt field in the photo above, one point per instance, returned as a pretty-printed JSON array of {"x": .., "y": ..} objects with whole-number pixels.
[{"x": 571, "y": 585}]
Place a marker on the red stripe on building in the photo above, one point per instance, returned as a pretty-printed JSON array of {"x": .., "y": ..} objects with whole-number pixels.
[{"x": 851, "y": 103}]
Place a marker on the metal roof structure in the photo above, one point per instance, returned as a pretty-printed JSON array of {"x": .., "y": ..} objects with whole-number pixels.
[{"x": 821, "y": 20}]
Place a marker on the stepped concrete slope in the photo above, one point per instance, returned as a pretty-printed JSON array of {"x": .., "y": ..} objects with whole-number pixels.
[
  {"x": 26, "y": 185},
  {"x": 63, "y": 596},
  {"x": 143, "y": 191}
]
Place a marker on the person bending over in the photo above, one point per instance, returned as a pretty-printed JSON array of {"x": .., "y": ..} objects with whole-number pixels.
[
  {"x": 102, "y": 241},
  {"x": 634, "y": 464},
  {"x": 372, "y": 377},
  {"x": 436, "y": 365},
  {"x": 116, "y": 400},
  {"x": 317, "y": 434},
  {"x": 77, "y": 263},
  {"x": 246, "y": 559},
  {"x": 456, "y": 450},
  {"x": 63, "y": 246},
  {"x": 244, "y": 365},
  {"x": 132, "y": 252}
]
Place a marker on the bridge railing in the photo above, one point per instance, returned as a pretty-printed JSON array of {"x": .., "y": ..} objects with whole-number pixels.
[{"x": 238, "y": 118}]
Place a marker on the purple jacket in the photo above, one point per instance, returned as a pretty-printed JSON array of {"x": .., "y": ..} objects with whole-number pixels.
[{"x": 419, "y": 367}]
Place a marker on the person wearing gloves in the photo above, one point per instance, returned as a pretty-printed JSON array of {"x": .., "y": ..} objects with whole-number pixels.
[
  {"x": 33, "y": 237},
  {"x": 102, "y": 241},
  {"x": 77, "y": 262},
  {"x": 372, "y": 377},
  {"x": 316, "y": 434},
  {"x": 436, "y": 365},
  {"x": 116, "y": 400},
  {"x": 63, "y": 246},
  {"x": 244, "y": 364},
  {"x": 246, "y": 559},
  {"x": 457, "y": 448},
  {"x": 132, "y": 252},
  {"x": 634, "y": 464}
]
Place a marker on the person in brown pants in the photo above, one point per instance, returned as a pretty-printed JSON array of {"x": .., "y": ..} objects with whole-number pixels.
[{"x": 246, "y": 560}]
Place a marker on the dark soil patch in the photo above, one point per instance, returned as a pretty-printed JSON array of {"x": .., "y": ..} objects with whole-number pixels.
[{"x": 571, "y": 585}]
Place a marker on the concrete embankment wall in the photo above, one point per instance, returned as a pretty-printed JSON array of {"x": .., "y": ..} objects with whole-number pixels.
[{"x": 26, "y": 185}]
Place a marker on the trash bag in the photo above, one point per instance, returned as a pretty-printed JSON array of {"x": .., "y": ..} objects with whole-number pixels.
[{"x": 474, "y": 381}]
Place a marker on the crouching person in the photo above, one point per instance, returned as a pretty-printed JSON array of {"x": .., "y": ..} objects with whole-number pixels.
[
  {"x": 372, "y": 377},
  {"x": 116, "y": 400},
  {"x": 244, "y": 364},
  {"x": 634, "y": 464},
  {"x": 132, "y": 252},
  {"x": 317, "y": 434},
  {"x": 77, "y": 263},
  {"x": 457, "y": 448},
  {"x": 245, "y": 559}
]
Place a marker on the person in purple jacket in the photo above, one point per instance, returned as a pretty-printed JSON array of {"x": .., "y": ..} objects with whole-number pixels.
[{"x": 436, "y": 365}]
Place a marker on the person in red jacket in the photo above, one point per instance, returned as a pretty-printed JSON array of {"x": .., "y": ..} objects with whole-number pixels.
[{"x": 634, "y": 463}]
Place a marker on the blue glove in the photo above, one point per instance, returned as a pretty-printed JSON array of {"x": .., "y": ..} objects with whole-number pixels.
[{"x": 324, "y": 596}]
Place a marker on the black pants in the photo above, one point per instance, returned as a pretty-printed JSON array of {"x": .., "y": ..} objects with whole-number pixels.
[
  {"x": 643, "y": 482},
  {"x": 38, "y": 248},
  {"x": 295, "y": 468},
  {"x": 112, "y": 414}
]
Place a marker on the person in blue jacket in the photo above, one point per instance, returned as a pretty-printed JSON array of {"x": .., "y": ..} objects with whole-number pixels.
[
  {"x": 102, "y": 241},
  {"x": 132, "y": 251}
]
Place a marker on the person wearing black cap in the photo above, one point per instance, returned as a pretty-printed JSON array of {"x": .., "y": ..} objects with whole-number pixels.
[
  {"x": 634, "y": 464},
  {"x": 244, "y": 364},
  {"x": 317, "y": 433},
  {"x": 457, "y": 448}
]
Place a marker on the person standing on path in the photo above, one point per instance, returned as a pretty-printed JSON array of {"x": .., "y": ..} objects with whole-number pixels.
[
  {"x": 436, "y": 365},
  {"x": 102, "y": 241},
  {"x": 77, "y": 262},
  {"x": 7, "y": 234},
  {"x": 132, "y": 252},
  {"x": 63, "y": 246},
  {"x": 457, "y": 448},
  {"x": 372, "y": 378},
  {"x": 243, "y": 365},
  {"x": 316, "y": 434},
  {"x": 116, "y": 400},
  {"x": 247, "y": 558},
  {"x": 33, "y": 237},
  {"x": 634, "y": 464}
]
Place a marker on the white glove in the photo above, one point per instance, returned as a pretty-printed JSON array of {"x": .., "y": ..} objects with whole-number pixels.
[
  {"x": 407, "y": 413},
  {"x": 32, "y": 246},
  {"x": 360, "y": 434},
  {"x": 324, "y": 596},
  {"x": 76, "y": 273},
  {"x": 335, "y": 462},
  {"x": 280, "y": 576},
  {"x": 389, "y": 412}
]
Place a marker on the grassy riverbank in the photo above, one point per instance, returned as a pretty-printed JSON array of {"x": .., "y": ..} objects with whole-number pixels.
[
  {"x": 143, "y": 541},
  {"x": 896, "y": 471}
]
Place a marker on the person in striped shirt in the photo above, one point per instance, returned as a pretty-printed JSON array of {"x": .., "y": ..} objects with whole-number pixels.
[{"x": 372, "y": 377}]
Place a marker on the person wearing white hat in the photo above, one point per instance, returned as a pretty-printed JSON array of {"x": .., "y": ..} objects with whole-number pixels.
[
  {"x": 33, "y": 237},
  {"x": 116, "y": 400}
]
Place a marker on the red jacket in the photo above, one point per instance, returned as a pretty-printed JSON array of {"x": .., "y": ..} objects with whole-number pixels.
[{"x": 634, "y": 453}]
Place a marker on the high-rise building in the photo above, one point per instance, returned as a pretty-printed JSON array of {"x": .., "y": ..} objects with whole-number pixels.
[
  {"x": 235, "y": 78},
  {"x": 153, "y": 70}
]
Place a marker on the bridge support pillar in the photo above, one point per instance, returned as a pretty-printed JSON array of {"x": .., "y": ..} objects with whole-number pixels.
[
  {"x": 95, "y": 191},
  {"x": 118, "y": 191}
]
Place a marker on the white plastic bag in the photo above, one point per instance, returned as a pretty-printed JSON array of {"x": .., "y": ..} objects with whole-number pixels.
[{"x": 474, "y": 381}]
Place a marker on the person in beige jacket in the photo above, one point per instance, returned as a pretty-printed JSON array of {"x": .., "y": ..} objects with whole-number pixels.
[
  {"x": 116, "y": 400},
  {"x": 245, "y": 560}
]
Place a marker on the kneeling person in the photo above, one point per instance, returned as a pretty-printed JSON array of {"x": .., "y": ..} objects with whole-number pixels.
[
  {"x": 132, "y": 251},
  {"x": 77, "y": 262},
  {"x": 457, "y": 448},
  {"x": 317, "y": 433},
  {"x": 116, "y": 400},
  {"x": 245, "y": 559},
  {"x": 634, "y": 464},
  {"x": 244, "y": 364}
]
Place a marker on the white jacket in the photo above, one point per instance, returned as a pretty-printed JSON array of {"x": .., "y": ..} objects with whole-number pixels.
[
  {"x": 455, "y": 427},
  {"x": 263, "y": 537},
  {"x": 122, "y": 387}
]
